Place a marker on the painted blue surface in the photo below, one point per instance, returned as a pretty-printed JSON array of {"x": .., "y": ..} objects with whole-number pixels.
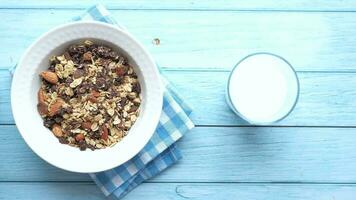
[{"x": 308, "y": 155}]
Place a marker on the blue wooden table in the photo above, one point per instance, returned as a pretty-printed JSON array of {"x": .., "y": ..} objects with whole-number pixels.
[{"x": 309, "y": 155}]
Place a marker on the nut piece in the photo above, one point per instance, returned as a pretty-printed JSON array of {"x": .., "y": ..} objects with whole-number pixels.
[
  {"x": 120, "y": 71},
  {"x": 104, "y": 133},
  {"x": 92, "y": 99},
  {"x": 41, "y": 95},
  {"x": 95, "y": 93},
  {"x": 42, "y": 109},
  {"x": 79, "y": 137},
  {"x": 55, "y": 107},
  {"x": 49, "y": 76},
  {"x": 86, "y": 125},
  {"x": 57, "y": 130},
  {"x": 87, "y": 56},
  {"x": 93, "y": 96}
]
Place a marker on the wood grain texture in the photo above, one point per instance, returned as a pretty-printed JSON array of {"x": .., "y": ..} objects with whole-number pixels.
[
  {"x": 300, "y": 5},
  {"x": 180, "y": 191},
  {"x": 201, "y": 40},
  {"x": 220, "y": 154},
  {"x": 326, "y": 99},
  {"x": 312, "y": 41}
]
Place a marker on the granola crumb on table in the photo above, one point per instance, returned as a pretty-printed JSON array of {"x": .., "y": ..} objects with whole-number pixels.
[{"x": 89, "y": 96}]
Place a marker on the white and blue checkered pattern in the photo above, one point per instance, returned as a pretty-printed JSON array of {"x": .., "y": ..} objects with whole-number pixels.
[{"x": 161, "y": 151}]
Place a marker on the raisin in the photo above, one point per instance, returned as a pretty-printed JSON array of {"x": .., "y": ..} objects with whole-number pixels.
[
  {"x": 48, "y": 122},
  {"x": 100, "y": 83},
  {"x": 53, "y": 88},
  {"x": 123, "y": 101},
  {"x": 81, "y": 49},
  {"x": 78, "y": 73},
  {"x": 63, "y": 140},
  {"x": 113, "y": 55},
  {"x": 103, "y": 51},
  {"x": 113, "y": 94},
  {"x": 51, "y": 68},
  {"x": 82, "y": 145},
  {"x": 118, "y": 80},
  {"x": 73, "y": 50},
  {"x": 81, "y": 66},
  {"x": 69, "y": 110},
  {"x": 67, "y": 56},
  {"x": 132, "y": 109},
  {"x": 58, "y": 119},
  {"x": 68, "y": 81},
  {"x": 136, "y": 87}
]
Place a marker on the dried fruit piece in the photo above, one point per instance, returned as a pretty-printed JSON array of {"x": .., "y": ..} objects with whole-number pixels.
[
  {"x": 63, "y": 140},
  {"x": 132, "y": 109},
  {"x": 100, "y": 82},
  {"x": 104, "y": 133},
  {"x": 57, "y": 130},
  {"x": 136, "y": 87},
  {"x": 56, "y": 107},
  {"x": 49, "y": 76},
  {"x": 78, "y": 73},
  {"x": 79, "y": 137}
]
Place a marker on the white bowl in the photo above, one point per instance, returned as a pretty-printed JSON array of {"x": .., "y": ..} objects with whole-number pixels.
[{"x": 26, "y": 83}]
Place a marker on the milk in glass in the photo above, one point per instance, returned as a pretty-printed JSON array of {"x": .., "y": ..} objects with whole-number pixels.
[{"x": 263, "y": 88}]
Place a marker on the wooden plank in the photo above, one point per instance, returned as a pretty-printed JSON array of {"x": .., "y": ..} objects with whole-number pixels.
[
  {"x": 305, "y": 5},
  {"x": 250, "y": 155},
  {"x": 197, "y": 191},
  {"x": 326, "y": 99},
  {"x": 321, "y": 41}
]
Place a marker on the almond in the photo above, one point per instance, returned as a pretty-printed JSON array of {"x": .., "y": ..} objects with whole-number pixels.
[
  {"x": 104, "y": 133},
  {"x": 92, "y": 99},
  {"x": 86, "y": 125},
  {"x": 95, "y": 93},
  {"x": 41, "y": 95},
  {"x": 42, "y": 108},
  {"x": 49, "y": 76},
  {"x": 87, "y": 56},
  {"x": 120, "y": 71},
  {"x": 55, "y": 107},
  {"x": 79, "y": 137},
  {"x": 57, "y": 130}
]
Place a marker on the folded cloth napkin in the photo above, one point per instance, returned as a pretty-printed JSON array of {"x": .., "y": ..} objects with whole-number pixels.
[{"x": 161, "y": 151}]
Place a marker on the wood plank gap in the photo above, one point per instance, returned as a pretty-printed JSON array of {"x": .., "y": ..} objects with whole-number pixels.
[
  {"x": 203, "y": 182},
  {"x": 184, "y": 9}
]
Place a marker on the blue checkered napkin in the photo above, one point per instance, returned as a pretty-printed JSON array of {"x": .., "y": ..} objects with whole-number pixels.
[{"x": 161, "y": 151}]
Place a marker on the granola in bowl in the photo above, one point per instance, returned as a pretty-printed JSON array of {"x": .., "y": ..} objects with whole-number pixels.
[{"x": 89, "y": 96}]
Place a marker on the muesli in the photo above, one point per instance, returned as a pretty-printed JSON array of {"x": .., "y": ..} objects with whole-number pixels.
[{"x": 89, "y": 96}]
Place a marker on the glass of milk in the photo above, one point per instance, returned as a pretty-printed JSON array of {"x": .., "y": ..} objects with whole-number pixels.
[{"x": 263, "y": 88}]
